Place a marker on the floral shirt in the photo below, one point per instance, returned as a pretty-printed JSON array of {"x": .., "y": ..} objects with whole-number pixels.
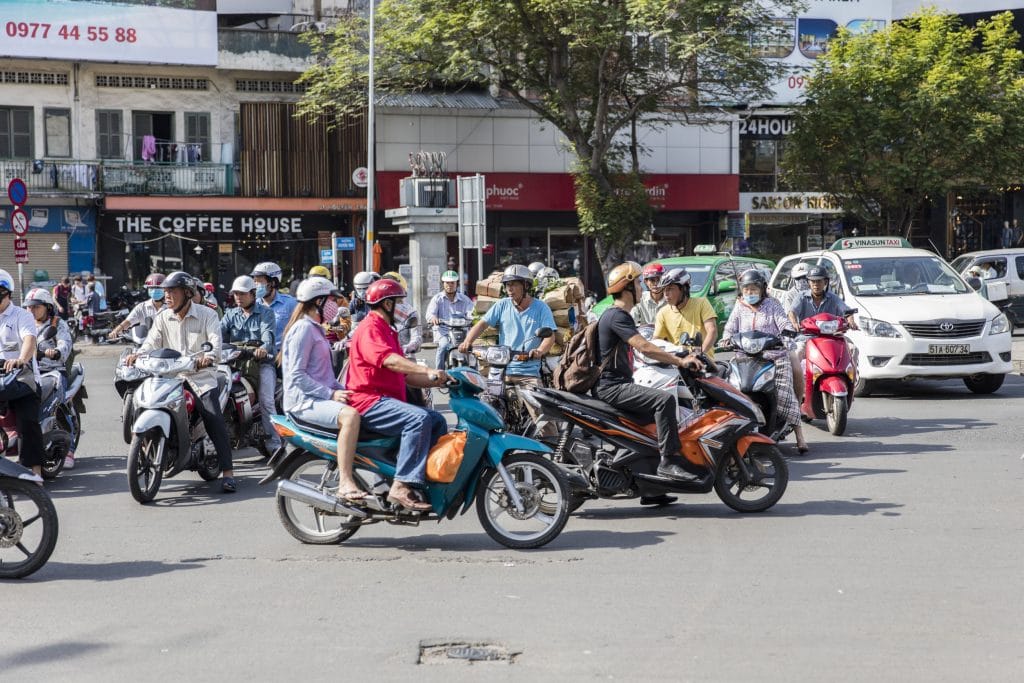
[{"x": 768, "y": 317}]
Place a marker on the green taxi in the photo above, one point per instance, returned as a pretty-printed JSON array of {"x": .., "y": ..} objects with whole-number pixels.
[{"x": 712, "y": 276}]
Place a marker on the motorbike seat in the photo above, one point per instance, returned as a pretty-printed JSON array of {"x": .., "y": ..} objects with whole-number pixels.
[
  {"x": 599, "y": 405},
  {"x": 372, "y": 444},
  {"x": 48, "y": 384}
]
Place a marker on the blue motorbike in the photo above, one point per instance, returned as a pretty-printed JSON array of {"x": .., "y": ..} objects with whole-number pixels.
[{"x": 522, "y": 498}]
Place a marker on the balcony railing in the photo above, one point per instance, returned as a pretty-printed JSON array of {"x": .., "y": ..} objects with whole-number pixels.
[{"x": 77, "y": 177}]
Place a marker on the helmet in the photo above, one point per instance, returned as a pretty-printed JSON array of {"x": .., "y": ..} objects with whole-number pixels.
[
  {"x": 674, "y": 276},
  {"x": 397, "y": 277},
  {"x": 6, "y": 281},
  {"x": 753, "y": 276},
  {"x": 243, "y": 283},
  {"x": 817, "y": 273},
  {"x": 362, "y": 280},
  {"x": 208, "y": 286},
  {"x": 449, "y": 276},
  {"x": 799, "y": 271},
  {"x": 319, "y": 271},
  {"x": 267, "y": 269},
  {"x": 653, "y": 271},
  {"x": 384, "y": 289},
  {"x": 535, "y": 268},
  {"x": 38, "y": 296},
  {"x": 155, "y": 280},
  {"x": 622, "y": 275},
  {"x": 548, "y": 274},
  {"x": 315, "y": 287},
  {"x": 518, "y": 272},
  {"x": 181, "y": 279}
]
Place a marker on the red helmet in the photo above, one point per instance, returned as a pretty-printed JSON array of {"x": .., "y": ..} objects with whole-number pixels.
[
  {"x": 155, "y": 280},
  {"x": 653, "y": 270},
  {"x": 383, "y": 289},
  {"x": 208, "y": 286}
]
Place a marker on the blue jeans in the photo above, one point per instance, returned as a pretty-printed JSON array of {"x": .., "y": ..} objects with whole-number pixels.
[
  {"x": 418, "y": 428},
  {"x": 443, "y": 344}
]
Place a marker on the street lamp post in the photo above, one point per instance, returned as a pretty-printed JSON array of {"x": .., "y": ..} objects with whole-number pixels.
[{"x": 371, "y": 171}]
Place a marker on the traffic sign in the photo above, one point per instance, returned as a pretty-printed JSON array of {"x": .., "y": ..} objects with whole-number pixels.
[
  {"x": 17, "y": 192},
  {"x": 20, "y": 250},
  {"x": 327, "y": 257},
  {"x": 345, "y": 243},
  {"x": 19, "y": 222}
]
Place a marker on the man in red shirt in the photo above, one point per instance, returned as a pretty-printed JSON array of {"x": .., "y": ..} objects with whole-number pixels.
[{"x": 377, "y": 374}]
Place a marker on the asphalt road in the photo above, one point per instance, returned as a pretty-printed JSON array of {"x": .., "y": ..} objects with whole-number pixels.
[{"x": 894, "y": 555}]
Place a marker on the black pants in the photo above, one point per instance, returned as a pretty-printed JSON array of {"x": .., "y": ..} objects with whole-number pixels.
[
  {"x": 216, "y": 428},
  {"x": 30, "y": 434},
  {"x": 646, "y": 401}
]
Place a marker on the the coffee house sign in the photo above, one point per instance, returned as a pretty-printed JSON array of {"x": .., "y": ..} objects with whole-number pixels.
[
  {"x": 788, "y": 202},
  {"x": 209, "y": 224}
]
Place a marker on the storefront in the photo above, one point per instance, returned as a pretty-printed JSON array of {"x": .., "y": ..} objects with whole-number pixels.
[
  {"x": 781, "y": 223},
  {"x": 62, "y": 240},
  {"x": 217, "y": 244}
]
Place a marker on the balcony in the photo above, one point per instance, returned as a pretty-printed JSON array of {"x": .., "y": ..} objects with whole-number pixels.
[{"x": 49, "y": 178}]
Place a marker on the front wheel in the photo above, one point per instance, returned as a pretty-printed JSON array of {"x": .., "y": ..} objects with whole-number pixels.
[
  {"x": 836, "y": 414},
  {"x": 757, "y": 486},
  {"x": 545, "y": 494},
  {"x": 128, "y": 416},
  {"x": 984, "y": 384},
  {"x": 863, "y": 387},
  {"x": 145, "y": 471},
  {"x": 28, "y": 528},
  {"x": 305, "y": 522}
]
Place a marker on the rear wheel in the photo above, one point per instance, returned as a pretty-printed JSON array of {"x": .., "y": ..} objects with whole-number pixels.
[
  {"x": 28, "y": 527},
  {"x": 758, "y": 485},
  {"x": 545, "y": 494},
  {"x": 208, "y": 466},
  {"x": 836, "y": 410},
  {"x": 305, "y": 522},
  {"x": 144, "y": 468},
  {"x": 983, "y": 383}
]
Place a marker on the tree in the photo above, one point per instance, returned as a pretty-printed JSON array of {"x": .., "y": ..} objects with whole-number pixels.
[
  {"x": 910, "y": 112},
  {"x": 591, "y": 68}
]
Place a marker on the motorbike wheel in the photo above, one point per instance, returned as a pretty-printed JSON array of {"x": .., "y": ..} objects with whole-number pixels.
[
  {"x": 71, "y": 422},
  {"x": 28, "y": 528},
  {"x": 545, "y": 494},
  {"x": 144, "y": 472},
  {"x": 769, "y": 474},
  {"x": 835, "y": 414},
  {"x": 128, "y": 416},
  {"x": 306, "y": 523},
  {"x": 208, "y": 466},
  {"x": 53, "y": 463}
]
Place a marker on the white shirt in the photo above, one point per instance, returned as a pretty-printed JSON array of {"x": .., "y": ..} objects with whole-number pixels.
[
  {"x": 16, "y": 325},
  {"x": 186, "y": 336},
  {"x": 146, "y": 309}
]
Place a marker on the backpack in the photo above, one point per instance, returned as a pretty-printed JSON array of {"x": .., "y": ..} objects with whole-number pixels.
[{"x": 578, "y": 369}]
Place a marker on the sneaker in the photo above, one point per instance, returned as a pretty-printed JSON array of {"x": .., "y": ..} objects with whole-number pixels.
[{"x": 69, "y": 462}]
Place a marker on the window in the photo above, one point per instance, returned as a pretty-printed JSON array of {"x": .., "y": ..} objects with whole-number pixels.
[
  {"x": 109, "y": 131},
  {"x": 16, "y": 133},
  {"x": 1020, "y": 267},
  {"x": 57, "y": 126},
  {"x": 197, "y": 132}
]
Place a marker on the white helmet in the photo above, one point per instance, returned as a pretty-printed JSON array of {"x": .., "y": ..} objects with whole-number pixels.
[
  {"x": 518, "y": 272},
  {"x": 314, "y": 287},
  {"x": 38, "y": 296},
  {"x": 243, "y": 283},
  {"x": 362, "y": 280},
  {"x": 547, "y": 274},
  {"x": 6, "y": 281},
  {"x": 536, "y": 267},
  {"x": 799, "y": 271},
  {"x": 268, "y": 269}
]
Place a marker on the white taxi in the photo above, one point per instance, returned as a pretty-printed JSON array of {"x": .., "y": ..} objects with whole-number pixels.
[{"x": 918, "y": 318}]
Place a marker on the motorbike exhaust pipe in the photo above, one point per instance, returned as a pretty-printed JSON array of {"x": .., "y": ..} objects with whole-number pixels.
[{"x": 304, "y": 493}]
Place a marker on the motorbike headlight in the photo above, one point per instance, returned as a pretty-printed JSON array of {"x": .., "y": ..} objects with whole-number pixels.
[
  {"x": 879, "y": 328},
  {"x": 1000, "y": 324},
  {"x": 752, "y": 346},
  {"x": 766, "y": 376}
]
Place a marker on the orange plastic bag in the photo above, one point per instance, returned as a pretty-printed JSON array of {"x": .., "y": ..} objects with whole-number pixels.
[{"x": 445, "y": 457}]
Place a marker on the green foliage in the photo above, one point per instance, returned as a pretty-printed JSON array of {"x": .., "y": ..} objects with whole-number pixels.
[
  {"x": 911, "y": 112},
  {"x": 616, "y": 217}
]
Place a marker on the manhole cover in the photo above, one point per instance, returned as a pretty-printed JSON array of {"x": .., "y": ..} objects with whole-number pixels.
[{"x": 465, "y": 652}]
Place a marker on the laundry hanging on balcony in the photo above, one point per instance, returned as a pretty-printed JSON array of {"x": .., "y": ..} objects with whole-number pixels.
[{"x": 148, "y": 148}]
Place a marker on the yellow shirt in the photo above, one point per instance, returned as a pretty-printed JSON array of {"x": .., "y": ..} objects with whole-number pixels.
[{"x": 672, "y": 322}]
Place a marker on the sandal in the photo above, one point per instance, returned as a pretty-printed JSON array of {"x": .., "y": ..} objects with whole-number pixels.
[
  {"x": 408, "y": 501},
  {"x": 353, "y": 495},
  {"x": 228, "y": 485}
]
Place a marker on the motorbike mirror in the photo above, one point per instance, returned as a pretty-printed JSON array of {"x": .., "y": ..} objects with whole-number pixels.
[
  {"x": 684, "y": 339},
  {"x": 788, "y": 333},
  {"x": 851, "y": 311},
  {"x": 207, "y": 347},
  {"x": 725, "y": 286},
  {"x": 545, "y": 332},
  {"x": 698, "y": 339}
]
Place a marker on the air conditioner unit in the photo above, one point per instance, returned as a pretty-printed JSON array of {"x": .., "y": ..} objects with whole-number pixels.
[{"x": 426, "y": 192}]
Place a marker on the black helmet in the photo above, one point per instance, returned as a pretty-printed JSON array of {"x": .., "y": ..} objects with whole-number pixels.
[
  {"x": 181, "y": 279},
  {"x": 817, "y": 273},
  {"x": 753, "y": 276}
]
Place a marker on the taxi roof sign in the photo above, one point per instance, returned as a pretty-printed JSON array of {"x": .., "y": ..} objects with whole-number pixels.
[
  {"x": 704, "y": 250},
  {"x": 870, "y": 242}
]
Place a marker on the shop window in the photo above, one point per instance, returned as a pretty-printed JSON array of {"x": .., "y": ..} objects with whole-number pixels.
[
  {"x": 16, "y": 133},
  {"x": 109, "y": 134},
  {"x": 57, "y": 129},
  {"x": 760, "y": 162}
]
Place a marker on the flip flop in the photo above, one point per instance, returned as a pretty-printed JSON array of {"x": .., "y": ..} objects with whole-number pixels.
[{"x": 353, "y": 495}]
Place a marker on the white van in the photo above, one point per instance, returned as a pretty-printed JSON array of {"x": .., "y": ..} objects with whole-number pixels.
[
  {"x": 1004, "y": 283},
  {"x": 918, "y": 318}
]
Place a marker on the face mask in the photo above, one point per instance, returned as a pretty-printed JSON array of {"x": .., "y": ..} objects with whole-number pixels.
[
  {"x": 156, "y": 294},
  {"x": 329, "y": 311},
  {"x": 752, "y": 299},
  {"x": 261, "y": 291}
]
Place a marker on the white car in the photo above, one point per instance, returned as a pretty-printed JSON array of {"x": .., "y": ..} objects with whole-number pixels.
[{"x": 918, "y": 318}]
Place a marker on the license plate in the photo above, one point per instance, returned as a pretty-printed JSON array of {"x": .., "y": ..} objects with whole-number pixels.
[{"x": 949, "y": 349}]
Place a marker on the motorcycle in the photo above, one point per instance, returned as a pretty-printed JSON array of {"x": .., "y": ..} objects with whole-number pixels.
[
  {"x": 243, "y": 411},
  {"x": 458, "y": 328},
  {"x": 521, "y": 497},
  {"x": 504, "y": 397},
  {"x": 128, "y": 378},
  {"x": 830, "y": 373},
  {"x": 28, "y": 522},
  {"x": 168, "y": 432},
  {"x": 614, "y": 454},
  {"x": 69, "y": 410},
  {"x": 95, "y": 327},
  {"x": 754, "y": 375}
]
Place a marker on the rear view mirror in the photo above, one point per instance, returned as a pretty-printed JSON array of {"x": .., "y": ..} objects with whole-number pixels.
[
  {"x": 698, "y": 339},
  {"x": 725, "y": 286},
  {"x": 545, "y": 332}
]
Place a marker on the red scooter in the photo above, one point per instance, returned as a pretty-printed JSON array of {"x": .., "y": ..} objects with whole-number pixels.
[{"x": 830, "y": 372}]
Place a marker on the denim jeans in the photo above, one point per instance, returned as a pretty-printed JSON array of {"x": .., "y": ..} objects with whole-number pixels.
[
  {"x": 418, "y": 428},
  {"x": 268, "y": 376},
  {"x": 443, "y": 344}
]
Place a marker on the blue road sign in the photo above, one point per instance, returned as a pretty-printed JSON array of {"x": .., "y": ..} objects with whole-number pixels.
[
  {"x": 327, "y": 257},
  {"x": 17, "y": 192},
  {"x": 345, "y": 243}
]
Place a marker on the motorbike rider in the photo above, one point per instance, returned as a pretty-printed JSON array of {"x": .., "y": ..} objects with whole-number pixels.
[
  {"x": 18, "y": 354},
  {"x": 684, "y": 313},
  {"x": 755, "y": 310},
  {"x": 41, "y": 304},
  {"x": 376, "y": 379},
  {"x": 360, "y": 283},
  {"x": 268, "y": 283},
  {"x": 518, "y": 317},
  {"x": 817, "y": 299},
  {"x": 447, "y": 304},
  {"x": 798, "y": 285},
  {"x": 617, "y": 335},
  {"x": 62, "y": 296},
  {"x": 77, "y": 290},
  {"x": 407, "y": 320},
  {"x": 651, "y": 301},
  {"x": 143, "y": 313},
  {"x": 312, "y": 392},
  {"x": 251, "y": 321},
  {"x": 185, "y": 326}
]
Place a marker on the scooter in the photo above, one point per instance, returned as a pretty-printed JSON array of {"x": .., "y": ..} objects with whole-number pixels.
[
  {"x": 458, "y": 328},
  {"x": 68, "y": 412},
  {"x": 522, "y": 498},
  {"x": 128, "y": 378},
  {"x": 243, "y": 414},
  {"x": 28, "y": 522},
  {"x": 830, "y": 374},
  {"x": 168, "y": 432},
  {"x": 615, "y": 454},
  {"x": 504, "y": 397},
  {"x": 754, "y": 375}
]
